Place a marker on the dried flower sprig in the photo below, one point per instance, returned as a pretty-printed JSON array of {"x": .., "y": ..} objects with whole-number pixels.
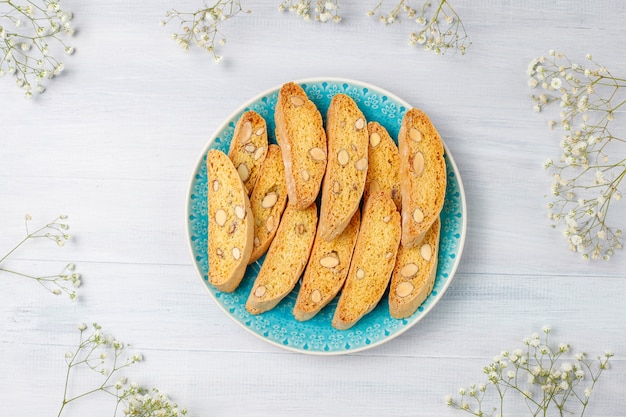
[
  {"x": 67, "y": 280},
  {"x": 30, "y": 34},
  {"x": 324, "y": 11},
  {"x": 202, "y": 27},
  {"x": 586, "y": 180},
  {"x": 440, "y": 29},
  {"x": 93, "y": 354},
  {"x": 544, "y": 377}
]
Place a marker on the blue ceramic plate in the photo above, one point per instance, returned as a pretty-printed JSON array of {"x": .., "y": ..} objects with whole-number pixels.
[{"x": 317, "y": 336}]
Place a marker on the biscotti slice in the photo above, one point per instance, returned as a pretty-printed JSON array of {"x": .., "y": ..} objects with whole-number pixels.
[
  {"x": 414, "y": 274},
  {"x": 248, "y": 147},
  {"x": 422, "y": 175},
  {"x": 372, "y": 262},
  {"x": 326, "y": 271},
  {"x": 285, "y": 259},
  {"x": 300, "y": 134},
  {"x": 231, "y": 228},
  {"x": 268, "y": 201},
  {"x": 346, "y": 133},
  {"x": 383, "y": 171}
]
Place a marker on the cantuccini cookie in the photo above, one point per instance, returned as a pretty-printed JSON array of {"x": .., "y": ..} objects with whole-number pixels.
[
  {"x": 422, "y": 175},
  {"x": 230, "y": 228},
  {"x": 302, "y": 139},
  {"x": 414, "y": 274},
  {"x": 268, "y": 201},
  {"x": 383, "y": 171},
  {"x": 285, "y": 260},
  {"x": 372, "y": 262},
  {"x": 346, "y": 133},
  {"x": 326, "y": 271},
  {"x": 248, "y": 147}
]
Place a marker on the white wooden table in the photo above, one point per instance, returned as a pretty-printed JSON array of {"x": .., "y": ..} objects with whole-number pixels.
[{"x": 112, "y": 144}]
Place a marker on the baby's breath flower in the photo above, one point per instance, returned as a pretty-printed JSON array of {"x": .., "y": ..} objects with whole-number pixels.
[
  {"x": 323, "y": 11},
  {"x": 556, "y": 83},
  {"x": 28, "y": 49},
  {"x": 439, "y": 29},
  {"x": 56, "y": 284},
  {"x": 538, "y": 376},
  {"x": 201, "y": 28},
  {"x": 588, "y": 96},
  {"x": 94, "y": 354}
]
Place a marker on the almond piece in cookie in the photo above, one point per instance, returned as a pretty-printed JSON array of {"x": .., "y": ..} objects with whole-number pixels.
[
  {"x": 230, "y": 229},
  {"x": 300, "y": 134},
  {"x": 268, "y": 201},
  {"x": 414, "y": 274},
  {"x": 346, "y": 133},
  {"x": 248, "y": 147},
  {"x": 285, "y": 260},
  {"x": 372, "y": 262},
  {"x": 383, "y": 171},
  {"x": 326, "y": 271},
  {"x": 422, "y": 176}
]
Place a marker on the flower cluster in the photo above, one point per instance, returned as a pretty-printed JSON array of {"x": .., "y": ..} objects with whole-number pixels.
[
  {"x": 67, "y": 280},
  {"x": 201, "y": 28},
  {"x": 586, "y": 179},
  {"x": 141, "y": 402},
  {"x": 439, "y": 30},
  {"x": 30, "y": 35},
  {"x": 544, "y": 377},
  {"x": 323, "y": 12},
  {"x": 93, "y": 354}
]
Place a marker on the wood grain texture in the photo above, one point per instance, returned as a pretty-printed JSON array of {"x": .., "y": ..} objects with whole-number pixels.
[{"x": 113, "y": 141}]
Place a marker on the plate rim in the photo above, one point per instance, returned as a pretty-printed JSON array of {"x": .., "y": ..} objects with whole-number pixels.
[{"x": 230, "y": 118}]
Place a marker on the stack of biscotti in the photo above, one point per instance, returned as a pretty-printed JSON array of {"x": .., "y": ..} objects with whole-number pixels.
[
  {"x": 230, "y": 230},
  {"x": 390, "y": 243}
]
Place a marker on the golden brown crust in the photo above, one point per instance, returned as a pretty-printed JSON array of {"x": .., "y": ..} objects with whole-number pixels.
[
  {"x": 414, "y": 274},
  {"x": 300, "y": 134},
  {"x": 326, "y": 271},
  {"x": 422, "y": 175},
  {"x": 383, "y": 172},
  {"x": 346, "y": 133},
  {"x": 372, "y": 262},
  {"x": 248, "y": 147},
  {"x": 268, "y": 201},
  {"x": 285, "y": 259},
  {"x": 230, "y": 229}
]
